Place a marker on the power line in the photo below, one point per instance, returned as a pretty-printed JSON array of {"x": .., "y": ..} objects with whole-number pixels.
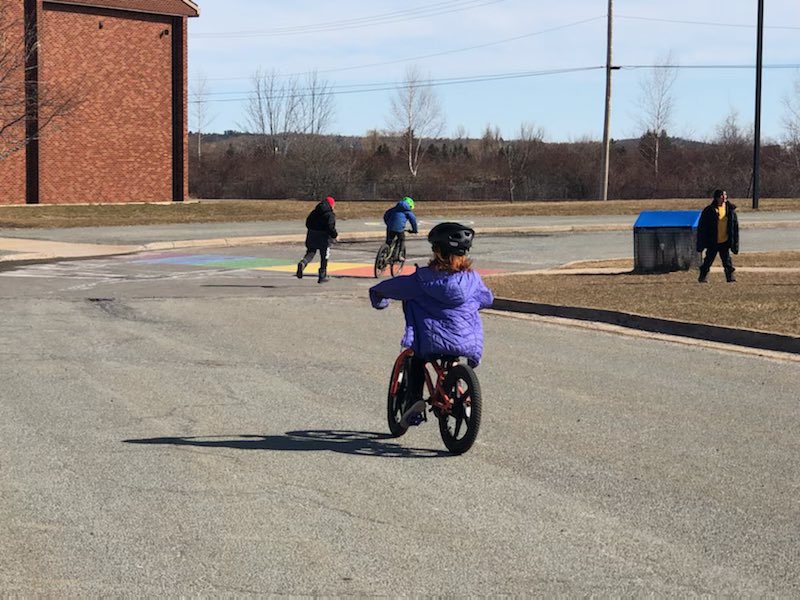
[
  {"x": 434, "y": 10},
  {"x": 436, "y": 54},
  {"x": 705, "y": 23},
  {"x": 776, "y": 66},
  {"x": 353, "y": 88},
  {"x": 382, "y": 87},
  {"x": 517, "y": 38}
]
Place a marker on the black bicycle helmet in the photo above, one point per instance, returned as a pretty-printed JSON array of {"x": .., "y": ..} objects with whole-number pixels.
[{"x": 451, "y": 238}]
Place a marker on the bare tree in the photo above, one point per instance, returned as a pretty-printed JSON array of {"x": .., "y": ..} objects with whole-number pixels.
[
  {"x": 416, "y": 115},
  {"x": 50, "y": 102},
  {"x": 317, "y": 106},
  {"x": 656, "y": 104},
  {"x": 272, "y": 110},
  {"x": 201, "y": 117},
  {"x": 733, "y": 154},
  {"x": 491, "y": 141},
  {"x": 791, "y": 123},
  {"x": 519, "y": 151},
  {"x": 319, "y": 163}
]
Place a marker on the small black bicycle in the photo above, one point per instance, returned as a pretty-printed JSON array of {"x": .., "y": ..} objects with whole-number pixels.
[{"x": 390, "y": 256}]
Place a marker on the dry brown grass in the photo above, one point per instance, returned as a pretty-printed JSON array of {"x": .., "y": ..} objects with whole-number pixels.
[
  {"x": 766, "y": 301},
  {"x": 786, "y": 259},
  {"x": 222, "y": 211}
]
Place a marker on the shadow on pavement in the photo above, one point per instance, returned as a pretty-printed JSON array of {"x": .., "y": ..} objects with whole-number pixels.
[
  {"x": 232, "y": 285},
  {"x": 362, "y": 443}
]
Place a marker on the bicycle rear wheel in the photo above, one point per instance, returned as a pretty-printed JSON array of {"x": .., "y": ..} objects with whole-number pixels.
[
  {"x": 398, "y": 262},
  {"x": 381, "y": 260},
  {"x": 395, "y": 401},
  {"x": 459, "y": 427}
]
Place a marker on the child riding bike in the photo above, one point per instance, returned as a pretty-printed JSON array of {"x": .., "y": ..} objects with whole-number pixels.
[
  {"x": 396, "y": 219},
  {"x": 441, "y": 304}
]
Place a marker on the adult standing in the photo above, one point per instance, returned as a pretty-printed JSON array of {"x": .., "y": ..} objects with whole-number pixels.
[
  {"x": 321, "y": 226},
  {"x": 718, "y": 233}
]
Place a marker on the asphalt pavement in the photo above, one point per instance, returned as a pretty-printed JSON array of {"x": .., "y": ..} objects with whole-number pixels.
[
  {"x": 24, "y": 246},
  {"x": 177, "y": 432}
]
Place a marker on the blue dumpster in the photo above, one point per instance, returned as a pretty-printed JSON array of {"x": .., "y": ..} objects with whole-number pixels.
[{"x": 665, "y": 240}]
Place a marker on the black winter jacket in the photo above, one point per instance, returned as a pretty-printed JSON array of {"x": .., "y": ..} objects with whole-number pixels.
[
  {"x": 707, "y": 227},
  {"x": 321, "y": 225}
]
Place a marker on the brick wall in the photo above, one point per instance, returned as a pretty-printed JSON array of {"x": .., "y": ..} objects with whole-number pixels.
[
  {"x": 117, "y": 145},
  {"x": 185, "y": 25},
  {"x": 12, "y": 168}
]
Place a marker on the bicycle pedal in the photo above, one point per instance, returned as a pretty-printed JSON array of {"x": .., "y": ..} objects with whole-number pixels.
[
  {"x": 416, "y": 419},
  {"x": 414, "y": 415}
]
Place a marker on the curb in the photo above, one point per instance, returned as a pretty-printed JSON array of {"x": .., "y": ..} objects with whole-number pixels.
[{"x": 761, "y": 340}]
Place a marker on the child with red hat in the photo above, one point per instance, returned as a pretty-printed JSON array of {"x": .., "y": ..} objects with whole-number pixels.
[{"x": 321, "y": 226}]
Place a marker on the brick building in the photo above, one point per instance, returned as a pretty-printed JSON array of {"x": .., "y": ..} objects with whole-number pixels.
[{"x": 121, "y": 67}]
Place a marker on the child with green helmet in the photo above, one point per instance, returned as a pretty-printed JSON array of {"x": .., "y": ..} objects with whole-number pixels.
[{"x": 396, "y": 219}]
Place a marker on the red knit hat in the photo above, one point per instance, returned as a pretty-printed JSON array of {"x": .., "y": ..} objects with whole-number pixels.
[{"x": 330, "y": 200}]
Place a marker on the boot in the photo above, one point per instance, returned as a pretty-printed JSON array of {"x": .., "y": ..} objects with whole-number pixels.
[
  {"x": 703, "y": 276},
  {"x": 323, "y": 277},
  {"x": 414, "y": 414},
  {"x": 300, "y": 266}
]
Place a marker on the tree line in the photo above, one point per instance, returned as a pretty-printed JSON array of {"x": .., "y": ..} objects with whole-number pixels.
[
  {"x": 375, "y": 167},
  {"x": 284, "y": 150}
]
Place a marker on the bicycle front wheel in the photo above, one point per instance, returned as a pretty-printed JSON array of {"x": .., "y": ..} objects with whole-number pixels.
[
  {"x": 459, "y": 426},
  {"x": 381, "y": 260},
  {"x": 395, "y": 400},
  {"x": 399, "y": 261}
]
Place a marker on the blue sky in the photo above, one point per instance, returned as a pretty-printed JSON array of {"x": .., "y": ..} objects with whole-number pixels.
[{"x": 508, "y": 46}]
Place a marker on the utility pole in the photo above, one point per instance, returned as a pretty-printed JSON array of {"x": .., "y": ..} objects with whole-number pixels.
[
  {"x": 607, "y": 120},
  {"x": 757, "y": 131}
]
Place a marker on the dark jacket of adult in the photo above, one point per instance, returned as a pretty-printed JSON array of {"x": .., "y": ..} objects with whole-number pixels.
[
  {"x": 707, "y": 227},
  {"x": 321, "y": 225}
]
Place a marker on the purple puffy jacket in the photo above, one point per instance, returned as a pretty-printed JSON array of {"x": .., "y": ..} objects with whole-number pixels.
[{"x": 441, "y": 311}]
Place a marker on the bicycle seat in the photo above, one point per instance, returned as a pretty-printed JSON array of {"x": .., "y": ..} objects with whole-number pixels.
[
  {"x": 446, "y": 358},
  {"x": 450, "y": 359}
]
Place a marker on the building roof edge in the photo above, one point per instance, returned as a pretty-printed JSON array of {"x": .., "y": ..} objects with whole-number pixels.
[{"x": 192, "y": 9}]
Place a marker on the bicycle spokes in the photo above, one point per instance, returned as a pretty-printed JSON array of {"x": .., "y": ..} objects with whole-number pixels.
[
  {"x": 460, "y": 409},
  {"x": 453, "y": 393},
  {"x": 459, "y": 426}
]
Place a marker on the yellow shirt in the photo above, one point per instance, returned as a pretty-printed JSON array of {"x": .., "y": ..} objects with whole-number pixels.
[{"x": 722, "y": 224}]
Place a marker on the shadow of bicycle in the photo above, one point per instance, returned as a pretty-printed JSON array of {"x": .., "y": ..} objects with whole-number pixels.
[{"x": 362, "y": 443}]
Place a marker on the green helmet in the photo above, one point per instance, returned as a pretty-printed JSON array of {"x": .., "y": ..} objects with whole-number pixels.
[{"x": 409, "y": 202}]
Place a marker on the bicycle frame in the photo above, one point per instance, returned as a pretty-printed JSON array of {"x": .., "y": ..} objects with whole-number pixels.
[
  {"x": 437, "y": 397},
  {"x": 394, "y": 250},
  {"x": 395, "y": 247}
]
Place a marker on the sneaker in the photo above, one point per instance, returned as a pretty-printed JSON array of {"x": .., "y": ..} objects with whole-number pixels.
[
  {"x": 414, "y": 414},
  {"x": 299, "y": 272},
  {"x": 324, "y": 279}
]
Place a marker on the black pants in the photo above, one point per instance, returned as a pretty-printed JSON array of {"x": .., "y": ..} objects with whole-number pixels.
[
  {"x": 416, "y": 379},
  {"x": 323, "y": 259},
  {"x": 401, "y": 240},
  {"x": 724, "y": 251}
]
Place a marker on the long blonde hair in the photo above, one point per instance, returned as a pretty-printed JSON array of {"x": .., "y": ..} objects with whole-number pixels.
[{"x": 449, "y": 263}]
